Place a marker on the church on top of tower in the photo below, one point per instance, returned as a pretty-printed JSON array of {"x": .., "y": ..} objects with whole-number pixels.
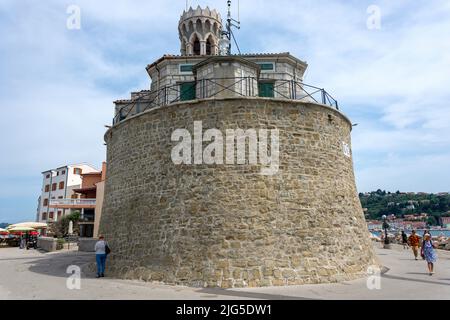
[{"x": 206, "y": 68}]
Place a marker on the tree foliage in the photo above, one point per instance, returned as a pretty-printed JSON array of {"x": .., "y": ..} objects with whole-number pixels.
[
  {"x": 61, "y": 227},
  {"x": 380, "y": 203}
]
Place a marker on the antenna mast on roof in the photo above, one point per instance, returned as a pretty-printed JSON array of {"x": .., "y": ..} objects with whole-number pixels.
[{"x": 225, "y": 42}]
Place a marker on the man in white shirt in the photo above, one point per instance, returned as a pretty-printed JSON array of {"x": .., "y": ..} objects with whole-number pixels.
[{"x": 100, "y": 256}]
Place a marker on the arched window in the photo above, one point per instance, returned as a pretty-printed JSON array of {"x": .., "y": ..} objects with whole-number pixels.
[
  {"x": 207, "y": 26},
  {"x": 208, "y": 47},
  {"x": 196, "y": 46},
  {"x": 199, "y": 26}
]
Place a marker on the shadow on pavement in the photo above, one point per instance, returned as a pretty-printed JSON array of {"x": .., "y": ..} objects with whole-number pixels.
[
  {"x": 421, "y": 273},
  {"x": 56, "y": 264},
  {"x": 416, "y": 280},
  {"x": 247, "y": 294},
  {"x": 24, "y": 258}
]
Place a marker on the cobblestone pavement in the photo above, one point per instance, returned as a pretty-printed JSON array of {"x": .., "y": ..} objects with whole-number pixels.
[{"x": 30, "y": 274}]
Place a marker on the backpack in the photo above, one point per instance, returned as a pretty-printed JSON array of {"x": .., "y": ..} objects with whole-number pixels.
[{"x": 107, "y": 249}]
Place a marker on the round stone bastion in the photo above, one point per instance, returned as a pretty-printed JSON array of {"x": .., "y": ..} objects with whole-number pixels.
[{"x": 228, "y": 225}]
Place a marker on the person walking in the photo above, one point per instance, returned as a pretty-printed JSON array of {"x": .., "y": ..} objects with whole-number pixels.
[
  {"x": 101, "y": 250},
  {"x": 429, "y": 253},
  {"x": 414, "y": 242},
  {"x": 22, "y": 241},
  {"x": 404, "y": 240}
]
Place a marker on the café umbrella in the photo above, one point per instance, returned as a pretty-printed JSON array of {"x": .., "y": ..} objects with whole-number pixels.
[
  {"x": 3, "y": 231},
  {"x": 33, "y": 225},
  {"x": 21, "y": 229}
]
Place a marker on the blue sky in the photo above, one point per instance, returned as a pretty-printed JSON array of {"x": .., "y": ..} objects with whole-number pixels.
[{"x": 57, "y": 85}]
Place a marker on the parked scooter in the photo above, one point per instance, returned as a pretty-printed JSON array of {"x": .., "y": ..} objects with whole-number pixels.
[{"x": 32, "y": 243}]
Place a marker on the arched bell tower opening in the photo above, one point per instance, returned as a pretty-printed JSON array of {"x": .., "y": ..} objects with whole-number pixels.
[
  {"x": 196, "y": 45},
  {"x": 199, "y": 31}
]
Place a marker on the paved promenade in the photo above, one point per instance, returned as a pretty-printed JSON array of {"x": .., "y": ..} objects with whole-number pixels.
[{"x": 35, "y": 275}]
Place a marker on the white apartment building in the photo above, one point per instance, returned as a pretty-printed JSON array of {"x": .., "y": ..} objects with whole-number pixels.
[{"x": 59, "y": 183}]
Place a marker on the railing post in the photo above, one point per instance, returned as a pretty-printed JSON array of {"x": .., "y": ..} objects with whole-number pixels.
[
  {"x": 323, "y": 96},
  {"x": 291, "y": 83},
  {"x": 166, "y": 98},
  {"x": 253, "y": 87},
  {"x": 138, "y": 107},
  {"x": 203, "y": 89}
]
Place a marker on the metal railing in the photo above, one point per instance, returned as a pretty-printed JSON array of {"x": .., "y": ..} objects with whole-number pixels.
[
  {"x": 72, "y": 202},
  {"x": 224, "y": 87}
]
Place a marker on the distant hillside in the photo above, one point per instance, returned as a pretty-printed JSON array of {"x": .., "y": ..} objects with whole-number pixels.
[
  {"x": 400, "y": 203},
  {"x": 4, "y": 225}
]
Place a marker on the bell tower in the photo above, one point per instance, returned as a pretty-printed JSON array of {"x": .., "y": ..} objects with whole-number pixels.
[{"x": 199, "y": 31}]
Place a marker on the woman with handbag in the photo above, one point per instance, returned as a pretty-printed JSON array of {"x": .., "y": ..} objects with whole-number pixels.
[
  {"x": 101, "y": 251},
  {"x": 429, "y": 253}
]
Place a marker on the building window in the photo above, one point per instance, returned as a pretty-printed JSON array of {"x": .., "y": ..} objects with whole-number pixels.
[
  {"x": 47, "y": 188},
  {"x": 50, "y": 215},
  {"x": 266, "y": 66},
  {"x": 54, "y": 186},
  {"x": 44, "y": 215},
  {"x": 63, "y": 172},
  {"x": 59, "y": 214},
  {"x": 61, "y": 185},
  {"x": 47, "y": 176},
  {"x": 266, "y": 89},
  {"x": 45, "y": 202},
  {"x": 186, "y": 68},
  {"x": 187, "y": 91},
  {"x": 77, "y": 170},
  {"x": 60, "y": 197}
]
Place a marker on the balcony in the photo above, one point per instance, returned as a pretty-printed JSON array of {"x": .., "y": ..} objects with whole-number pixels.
[
  {"x": 72, "y": 203},
  {"x": 224, "y": 87}
]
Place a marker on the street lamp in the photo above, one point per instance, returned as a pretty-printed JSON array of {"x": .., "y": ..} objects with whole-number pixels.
[{"x": 385, "y": 227}]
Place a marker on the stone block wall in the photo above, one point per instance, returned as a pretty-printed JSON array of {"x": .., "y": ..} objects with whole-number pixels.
[
  {"x": 228, "y": 225},
  {"x": 87, "y": 244},
  {"x": 47, "y": 243}
]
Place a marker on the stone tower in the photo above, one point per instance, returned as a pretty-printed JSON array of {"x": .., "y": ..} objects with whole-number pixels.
[
  {"x": 223, "y": 223},
  {"x": 199, "y": 32}
]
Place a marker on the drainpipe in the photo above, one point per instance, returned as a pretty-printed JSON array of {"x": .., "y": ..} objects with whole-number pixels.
[
  {"x": 49, "y": 192},
  {"x": 294, "y": 86},
  {"x": 157, "y": 81},
  {"x": 65, "y": 190}
]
